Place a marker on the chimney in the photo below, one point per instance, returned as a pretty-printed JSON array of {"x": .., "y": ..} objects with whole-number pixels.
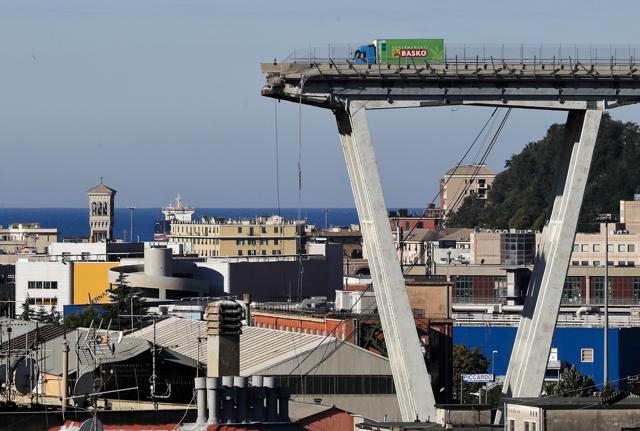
[{"x": 224, "y": 326}]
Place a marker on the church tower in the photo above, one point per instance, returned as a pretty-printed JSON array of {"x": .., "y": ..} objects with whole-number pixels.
[{"x": 101, "y": 213}]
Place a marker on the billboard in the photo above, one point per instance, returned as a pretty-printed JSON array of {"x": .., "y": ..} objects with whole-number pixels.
[{"x": 410, "y": 51}]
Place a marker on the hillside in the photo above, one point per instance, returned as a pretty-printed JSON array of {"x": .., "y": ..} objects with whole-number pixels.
[{"x": 520, "y": 194}]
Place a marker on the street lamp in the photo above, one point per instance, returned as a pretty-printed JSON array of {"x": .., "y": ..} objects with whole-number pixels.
[
  {"x": 493, "y": 357},
  {"x": 606, "y": 219},
  {"x": 131, "y": 210}
]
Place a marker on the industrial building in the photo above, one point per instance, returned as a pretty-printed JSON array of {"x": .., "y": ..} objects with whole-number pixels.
[
  {"x": 574, "y": 343},
  {"x": 317, "y": 369}
]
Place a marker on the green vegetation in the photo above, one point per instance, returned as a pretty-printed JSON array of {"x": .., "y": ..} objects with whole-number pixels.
[
  {"x": 124, "y": 299},
  {"x": 467, "y": 361},
  {"x": 519, "y": 197},
  {"x": 572, "y": 384}
]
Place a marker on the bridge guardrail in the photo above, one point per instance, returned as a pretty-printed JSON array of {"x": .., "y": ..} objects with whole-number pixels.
[{"x": 552, "y": 54}]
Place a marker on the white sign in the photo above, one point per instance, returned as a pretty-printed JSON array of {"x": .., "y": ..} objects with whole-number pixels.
[{"x": 478, "y": 378}]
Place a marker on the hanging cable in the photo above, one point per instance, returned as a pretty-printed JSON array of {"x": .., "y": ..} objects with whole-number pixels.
[
  {"x": 486, "y": 153},
  {"x": 457, "y": 166},
  {"x": 275, "y": 113}
]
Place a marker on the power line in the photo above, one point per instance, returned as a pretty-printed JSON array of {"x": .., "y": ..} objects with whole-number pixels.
[{"x": 275, "y": 113}]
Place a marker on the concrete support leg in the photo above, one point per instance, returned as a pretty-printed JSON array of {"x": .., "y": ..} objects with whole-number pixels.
[
  {"x": 410, "y": 375},
  {"x": 530, "y": 354}
]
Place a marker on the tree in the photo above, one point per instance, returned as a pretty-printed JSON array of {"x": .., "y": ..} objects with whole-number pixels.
[
  {"x": 27, "y": 311},
  {"x": 467, "y": 361},
  {"x": 41, "y": 315},
  {"x": 519, "y": 195},
  {"x": 83, "y": 319},
  {"x": 572, "y": 384},
  {"x": 123, "y": 298}
]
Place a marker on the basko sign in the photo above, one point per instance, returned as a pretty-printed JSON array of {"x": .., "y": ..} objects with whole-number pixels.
[{"x": 477, "y": 378}]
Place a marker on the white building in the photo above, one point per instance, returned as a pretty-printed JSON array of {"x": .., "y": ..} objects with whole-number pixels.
[{"x": 46, "y": 284}]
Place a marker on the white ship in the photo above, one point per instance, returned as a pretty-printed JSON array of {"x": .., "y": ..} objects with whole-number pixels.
[{"x": 179, "y": 213}]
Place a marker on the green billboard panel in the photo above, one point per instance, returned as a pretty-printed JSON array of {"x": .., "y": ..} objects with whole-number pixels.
[{"x": 410, "y": 51}]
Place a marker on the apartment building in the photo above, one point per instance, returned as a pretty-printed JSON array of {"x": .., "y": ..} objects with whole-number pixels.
[
  {"x": 26, "y": 238},
  {"x": 219, "y": 237},
  {"x": 463, "y": 181}
]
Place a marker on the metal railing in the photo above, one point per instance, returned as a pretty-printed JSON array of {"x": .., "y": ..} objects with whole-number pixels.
[{"x": 470, "y": 54}]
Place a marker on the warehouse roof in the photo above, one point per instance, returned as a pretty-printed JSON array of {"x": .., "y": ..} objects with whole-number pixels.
[{"x": 260, "y": 348}]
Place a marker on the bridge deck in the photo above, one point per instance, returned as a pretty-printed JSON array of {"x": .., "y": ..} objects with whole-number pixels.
[{"x": 327, "y": 85}]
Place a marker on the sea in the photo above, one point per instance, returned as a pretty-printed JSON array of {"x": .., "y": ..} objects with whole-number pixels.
[{"x": 74, "y": 222}]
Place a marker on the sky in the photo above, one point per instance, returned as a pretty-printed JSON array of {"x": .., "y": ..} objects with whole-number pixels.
[{"x": 163, "y": 96}]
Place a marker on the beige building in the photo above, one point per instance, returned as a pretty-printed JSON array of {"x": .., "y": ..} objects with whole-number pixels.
[
  {"x": 26, "y": 238},
  {"x": 101, "y": 213},
  {"x": 262, "y": 236},
  {"x": 461, "y": 182}
]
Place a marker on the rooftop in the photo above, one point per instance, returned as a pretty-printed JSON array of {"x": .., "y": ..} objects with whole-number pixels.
[
  {"x": 102, "y": 189},
  {"x": 471, "y": 170},
  {"x": 260, "y": 348},
  {"x": 583, "y": 403}
]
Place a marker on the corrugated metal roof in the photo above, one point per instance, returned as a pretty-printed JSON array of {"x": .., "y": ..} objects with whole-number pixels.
[
  {"x": 260, "y": 348},
  {"x": 26, "y": 340}
]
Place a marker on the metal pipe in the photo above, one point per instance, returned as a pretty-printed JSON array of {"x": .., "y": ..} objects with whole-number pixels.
[
  {"x": 606, "y": 306},
  {"x": 65, "y": 373},
  {"x": 258, "y": 398},
  {"x": 271, "y": 392},
  {"x": 212, "y": 399},
  {"x": 200, "y": 385},
  {"x": 283, "y": 403},
  {"x": 241, "y": 398},
  {"x": 228, "y": 399}
]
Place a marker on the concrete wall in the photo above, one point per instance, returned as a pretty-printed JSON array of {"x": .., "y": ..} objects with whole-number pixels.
[
  {"x": 623, "y": 348},
  {"x": 435, "y": 300},
  {"x": 91, "y": 282}
]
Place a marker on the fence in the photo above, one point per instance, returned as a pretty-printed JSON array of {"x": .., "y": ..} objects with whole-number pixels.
[{"x": 553, "y": 54}]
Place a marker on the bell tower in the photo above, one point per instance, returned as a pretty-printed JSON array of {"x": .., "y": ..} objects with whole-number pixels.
[{"x": 101, "y": 213}]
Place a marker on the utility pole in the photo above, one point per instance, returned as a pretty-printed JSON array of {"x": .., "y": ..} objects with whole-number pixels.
[
  {"x": 131, "y": 210},
  {"x": 65, "y": 372},
  {"x": 606, "y": 219}
]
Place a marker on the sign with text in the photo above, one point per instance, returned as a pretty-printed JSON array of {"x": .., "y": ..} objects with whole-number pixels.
[{"x": 478, "y": 378}]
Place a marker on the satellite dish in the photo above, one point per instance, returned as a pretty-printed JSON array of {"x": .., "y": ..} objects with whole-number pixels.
[
  {"x": 85, "y": 385},
  {"x": 93, "y": 424},
  {"x": 26, "y": 375}
]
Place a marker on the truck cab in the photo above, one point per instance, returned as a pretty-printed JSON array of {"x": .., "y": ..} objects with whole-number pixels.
[{"x": 365, "y": 54}]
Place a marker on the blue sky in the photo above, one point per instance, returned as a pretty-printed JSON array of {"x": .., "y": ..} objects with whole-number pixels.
[{"x": 162, "y": 96}]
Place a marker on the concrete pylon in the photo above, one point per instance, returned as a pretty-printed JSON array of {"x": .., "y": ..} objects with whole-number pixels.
[
  {"x": 530, "y": 354},
  {"x": 412, "y": 381}
]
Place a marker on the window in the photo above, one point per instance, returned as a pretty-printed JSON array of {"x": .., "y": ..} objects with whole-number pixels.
[
  {"x": 239, "y": 252},
  {"x": 585, "y": 247},
  {"x": 596, "y": 247},
  {"x": 251, "y": 253},
  {"x": 464, "y": 289},
  {"x": 239, "y": 230},
  {"x": 596, "y": 263},
  {"x": 576, "y": 247},
  {"x": 512, "y": 425},
  {"x": 586, "y": 355},
  {"x": 263, "y": 229},
  {"x": 572, "y": 291},
  {"x": 264, "y": 252},
  {"x": 575, "y": 263},
  {"x": 584, "y": 263},
  {"x": 631, "y": 263},
  {"x": 622, "y": 248},
  {"x": 610, "y": 248},
  {"x": 631, "y": 248},
  {"x": 526, "y": 426},
  {"x": 276, "y": 242}
]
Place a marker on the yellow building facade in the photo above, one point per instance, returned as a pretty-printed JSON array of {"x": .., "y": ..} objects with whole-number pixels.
[
  {"x": 263, "y": 236},
  {"x": 91, "y": 282}
]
